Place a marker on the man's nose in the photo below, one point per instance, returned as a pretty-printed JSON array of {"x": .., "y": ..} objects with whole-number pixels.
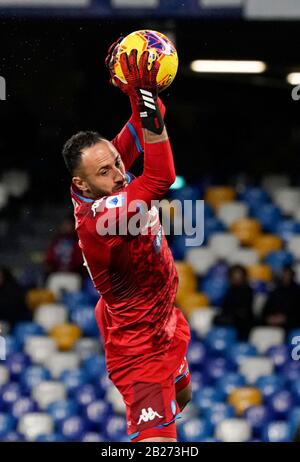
[{"x": 119, "y": 175}]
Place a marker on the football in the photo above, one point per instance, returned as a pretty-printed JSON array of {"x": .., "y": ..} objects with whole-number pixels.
[{"x": 160, "y": 47}]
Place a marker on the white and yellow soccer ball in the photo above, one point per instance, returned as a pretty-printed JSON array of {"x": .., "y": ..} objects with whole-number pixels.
[{"x": 160, "y": 48}]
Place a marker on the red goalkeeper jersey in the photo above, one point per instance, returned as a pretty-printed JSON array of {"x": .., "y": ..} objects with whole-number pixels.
[{"x": 135, "y": 275}]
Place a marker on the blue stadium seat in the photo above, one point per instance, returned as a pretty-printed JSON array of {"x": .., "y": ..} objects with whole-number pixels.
[
  {"x": 239, "y": 351},
  {"x": 218, "y": 412},
  {"x": 291, "y": 370},
  {"x": 231, "y": 380},
  {"x": 286, "y": 228},
  {"x": 75, "y": 299},
  {"x": 7, "y": 424},
  {"x": 220, "y": 339},
  {"x": 73, "y": 428},
  {"x": 88, "y": 393},
  {"x": 215, "y": 288},
  {"x": 279, "y": 355},
  {"x": 94, "y": 366},
  {"x": 194, "y": 430},
  {"x": 258, "y": 418},
  {"x": 205, "y": 397},
  {"x": 84, "y": 317},
  {"x": 61, "y": 410},
  {"x": 24, "y": 329},
  {"x": 97, "y": 413},
  {"x": 278, "y": 259},
  {"x": 12, "y": 437},
  {"x": 17, "y": 363},
  {"x": 278, "y": 431},
  {"x": 196, "y": 355},
  {"x": 115, "y": 429},
  {"x": 32, "y": 376},
  {"x": 281, "y": 403},
  {"x": 295, "y": 389},
  {"x": 73, "y": 379},
  {"x": 197, "y": 380},
  {"x": 216, "y": 368},
  {"x": 268, "y": 215},
  {"x": 294, "y": 418},
  {"x": 9, "y": 393},
  {"x": 92, "y": 437},
  {"x": 12, "y": 345},
  {"x": 270, "y": 384},
  {"x": 52, "y": 438},
  {"x": 89, "y": 290},
  {"x": 22, "y": 406},
  {"x": 212, "y": 225}
]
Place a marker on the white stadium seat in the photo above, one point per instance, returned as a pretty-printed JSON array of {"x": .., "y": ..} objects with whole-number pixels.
[
  {"x": 61, "y": 361},
  {"x": 201, "y": 320},
  {"x": 223, "y": 245},
  {"x": 62, "y": 281},
  {"x": 39, "y": 348},
  {"x": 229, "y": 212},
  {"x": 233, "y": 431},
  {"x": 245, "y": 257},
  {"x": 293, "y": 245},
  {"x": 4, "y": 375},
  {"x": 16, "y": 182},
  {"x": 50, "y": 315},
  {"x": 33, "y": 424},
  {"x": 47, "y": 392},
  {"x": 86, "y": 347},
  {"x": 201, "y": 259},
  {"x": 254, "y": 367},
  {"x": 272, "y": 183},
  {"x": 287, "y": 199},
  {"x": 265, "y": 337},
  {"x": 114, "y": 397}
]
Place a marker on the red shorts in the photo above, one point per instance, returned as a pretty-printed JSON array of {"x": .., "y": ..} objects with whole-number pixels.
[{"x": 149, "y": 388}]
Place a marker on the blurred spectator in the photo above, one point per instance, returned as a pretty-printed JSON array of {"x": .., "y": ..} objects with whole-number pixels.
[
  {"x": 12, "y": 299},
  {"x": 64, "y": 253},
  {"x": 237, "y": 306},
  {"x": 282, "y": 308}
]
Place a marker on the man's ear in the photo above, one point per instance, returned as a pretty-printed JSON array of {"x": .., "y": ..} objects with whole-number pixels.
[{"x": 80, "y": 184}]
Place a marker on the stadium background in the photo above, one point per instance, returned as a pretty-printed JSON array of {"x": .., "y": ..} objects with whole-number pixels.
[{"x": 235, "y": 139}]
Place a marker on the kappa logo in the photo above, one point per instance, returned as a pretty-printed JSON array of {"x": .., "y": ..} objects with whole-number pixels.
[{"x": 149, "y": 415}]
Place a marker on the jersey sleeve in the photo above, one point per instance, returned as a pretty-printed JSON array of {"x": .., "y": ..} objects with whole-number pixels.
[{"x": 129, "y": 142}]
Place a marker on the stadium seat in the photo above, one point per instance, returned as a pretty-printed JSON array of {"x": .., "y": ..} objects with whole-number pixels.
[
  {"x": 201, "y": 320},
  {"x": 32, "y": 376},
  {"x": 216, "y": 368},
  {"x": 260, "y": 272},
  {"x": 51, "y": 438},
  {"x": 201, "y": 259},
  {"x": 220, "y": 339},
  {"x": 287, "y": 199},
  {"x": 244, "y": 397},
  {"x": 216, "y": 196},
  {"x": 25, "y": 328},
  {"x": 34, "y": 424},
  {"x": 291, "y": 370},
  {"x": 115, "y": 429},
  {"x": 278, "y": 260},
  {"x": 214, "y": 288},
  {"x": 13, "y": 437},
  {"x": 62, "y": 409},
  {"x": 237, "y": 352},
  {"x": 281, "y": 403},
  {"x": 7, "y": 424},
  {"x": 39, "y": 348},
  {"x": 95, "y": 367},
  {"x": 73, "y": 379},
  {"x": 114, "y": 397},
  {"x": 38, "y": 297},
  {"x": 16, "y": 364},
  {"x": 196, "y": 355},
  {"x": 223, "y": 244},
  {"x": 4, "y": 375},
  {"x": 268, "y": 215},
  {"x": 279, "y": 354},
  {"x": 294, "y": 418},
  {"x": 65, "y": 335},
  {"x": 265, "y": 337},
  {"x": 86, "y": 347},
  {"x": 295, "y": 389},
  {"x": 253, "y": 368},
  {"x": 97, "y": 413},
  {"x": 22, "y": 406},
  {"x": 92, "y": 437},
  {"x": 229, "y": 212},
  {"x": 192, "y": 301},
  {"x": 10, "y": 393},
  {"x": 195, "y": 429},
  {"x": 246, "y": 230},
  {"x": 254, "y": 196},
  {"x": 278, "y": 432},
  {"x": 270, "y": 384},
  {"x": 47, "y": 392},
  {"x": 63, "y": 282},
  {"x": 87, "y": 394},
  {"x": 230, "y": 382},
  {"x": 73, "y": 428},
  {"x": 287, "y": 228},
  {"x": 84, "y": 318},
  {"x": 273, "y": 183},
  {"x": 233, "y": 431},
  {"x": 12, "y": 345},
  {"x": 187, "y": 280},
  {"x": 293, "y": 246},
  {"x": 258, "y": 418},
  {"x": 205, "y": 397},
  {"x": 218, "y": 412},
  {"x": 266, "y": 243},
  {"x": 50, "y": 315},
  {"x": 245, "y": 257},
  {"x": 61, "y": 361}
]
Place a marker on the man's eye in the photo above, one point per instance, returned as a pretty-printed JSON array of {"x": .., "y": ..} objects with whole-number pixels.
[{"x": 103, "y": 172}]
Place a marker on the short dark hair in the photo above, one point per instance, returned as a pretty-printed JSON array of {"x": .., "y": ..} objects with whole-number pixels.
[{"x": 72, "y": 150}]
